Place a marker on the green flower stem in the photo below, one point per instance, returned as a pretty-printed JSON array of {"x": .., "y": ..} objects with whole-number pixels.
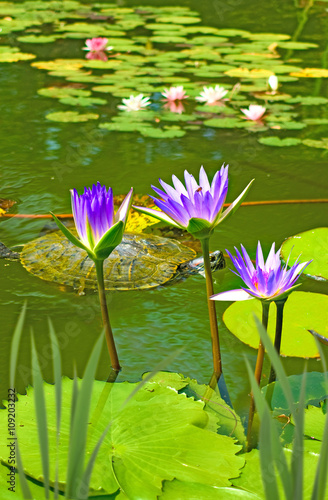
[
  {"x": 258, "y": 370},
  {"x": 277, "y": 341},
  {"x": 217, "y": 364},
  {"x": 104, "y": 311}
]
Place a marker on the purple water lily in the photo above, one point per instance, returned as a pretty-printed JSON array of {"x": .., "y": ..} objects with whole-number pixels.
[
  {"x": 100, "y": 230},
  {"x": 270, "y": 280},
  {"x": 196, "y": 207}
]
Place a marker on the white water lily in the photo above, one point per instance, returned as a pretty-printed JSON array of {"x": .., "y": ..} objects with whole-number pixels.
[
  {"x": 273, "y": 82},
  {"x": 211, "y": 95},
  {"x": 134, "y": 103}
]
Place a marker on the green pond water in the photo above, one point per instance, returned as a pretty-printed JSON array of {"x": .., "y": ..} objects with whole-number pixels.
[{"x": 41, "y": 160}]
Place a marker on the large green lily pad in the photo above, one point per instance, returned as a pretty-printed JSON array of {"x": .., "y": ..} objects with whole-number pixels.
[
  {"x": 159, "y": 435},
  {"x": 303, "y": 311},
  {"x": 312, "y": 245},
  {"x": 251, "y": 477},
  {"x": 178, "y": 490}
]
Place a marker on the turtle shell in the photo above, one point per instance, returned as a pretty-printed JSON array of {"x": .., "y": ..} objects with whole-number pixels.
[{"x": 139, "y": 262}]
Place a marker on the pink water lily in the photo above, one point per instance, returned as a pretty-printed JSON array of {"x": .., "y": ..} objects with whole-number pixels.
[
  {"x": 97, "y": 44},
  {"x": 254, "y": 112},
  {"x": 174, "y": 106},
  {"x": 212, "y": 95},
  {"x": 196, "y": 207},
  {"x": 270, "y": 280},
  {"x": 97, "y": 56},
  {"x": 174, "y": 93}
]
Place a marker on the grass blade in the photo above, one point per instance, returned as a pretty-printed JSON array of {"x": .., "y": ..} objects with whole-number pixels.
[
  {"x": 276, "y": 362},
  {"x": 320, "y": 482},
  {"x": 268, "y": 435},
  {"x": 58, "y": 388},
  {"x": 41, "y": 416},
  {"x": 15, "y": 346},
  {"x": 297, "y": 453},
  {"x": 277, "y": 448},
  {"x": 79, "y": 424},
  {"x": 266, "y": 458},
  {"x": 12, "y": 377}
]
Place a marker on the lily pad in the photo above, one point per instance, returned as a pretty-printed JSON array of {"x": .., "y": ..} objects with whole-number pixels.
[
  {"x": 297, "y": 45},
  {"x": 178, "y": 20},
  {"x": 249, "y": 73},
  {"x": 158, "y": 133},
  {"x": 140, "y": 449},
  {"x": 9, "y": 57},
  {"x": 71, "y": 116},
  {"x": 225, "y": 123},
  {"x": 314, "y": 422},
  {"x": 82, "y": 101},
  {"x": 312, "y": 143},
  {"x": 303, "y": 311},
  {"x": 37, "y": 38},
  {"x": 60, "y": 92},
  {"x": 308, "y": 100},
  {"x": 276, "y": 141},
  {"x": 179, "y": 490},
  {"x": 312, "y": 245},
  {"x": 316, "y": 390},
  {"x": 251, "y": 477},
  {"x": 311, "y": 73}
]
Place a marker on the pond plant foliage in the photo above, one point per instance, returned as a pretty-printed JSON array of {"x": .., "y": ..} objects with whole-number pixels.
[
  {"x": 165, "y": 437},
  {"x": 159, "y": 72},
  {"x": 142, "y": 54}
]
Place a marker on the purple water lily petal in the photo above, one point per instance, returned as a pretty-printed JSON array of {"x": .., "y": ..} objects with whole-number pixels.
[
  {"x": 93, "y": 213},
  {"x": 203, "y": 179},
  {"x": 268, "y": 280},
  {"x": 182, "y": 202},
  {"x": 179, "y": 186}
]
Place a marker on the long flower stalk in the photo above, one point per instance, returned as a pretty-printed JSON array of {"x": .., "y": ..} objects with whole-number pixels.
[
  {"x": 217, "y": 363},
  {"x": 258, "y": 369},
  {"x": 280, "y": 304},
  {"x": 105, "y": 317}
]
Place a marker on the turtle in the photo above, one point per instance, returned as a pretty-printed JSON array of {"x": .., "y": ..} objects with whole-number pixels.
[{"x": 140, "y": 261}]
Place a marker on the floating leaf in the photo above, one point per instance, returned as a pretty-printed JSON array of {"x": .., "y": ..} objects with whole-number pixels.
[
  {"x": 178, "y": 490},
  {"x": 276, "y": 141},
  {"x": 308, "y": 100},
  {"x": 288, "y": 125},
  {"x": 303, "y": 311},
  {"x": 82, "y": 101},
  {"x": 71, "y": 116},
  {"x": 8, "y": 57},
  {"x": 314, "y": 422},
  {"x": 297, "y": 45},
  {"x": 315, "y": 391},
  {"x": 312, "y": 245},
  {"x": 251, "y": 477},
  {"x": 249, "y": 73},
  {"x": 311, "y": 73},
  {"x": 158, "y": 133},
  {"x": 60, "y": 92},
  {"x": 156, "y": 423},
  {"x": 178, "y": 20},
  {"x": 225, "y": 123},
  {"x": 268, "y": 36},
  {"x": 311, "y": 143},
  {"x": 37, "y": 38},
  {"x": 316, "y": 121}
]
